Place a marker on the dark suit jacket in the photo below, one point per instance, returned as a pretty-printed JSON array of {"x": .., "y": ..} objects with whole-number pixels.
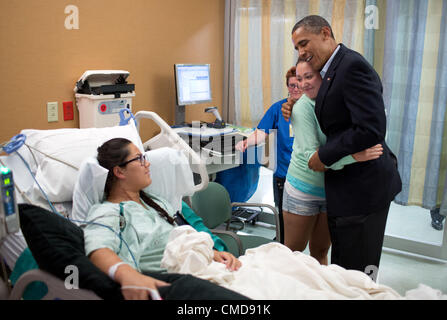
[{"x": 351, "y": 113}]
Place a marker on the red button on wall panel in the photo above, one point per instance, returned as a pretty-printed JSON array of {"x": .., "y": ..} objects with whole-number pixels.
[
  {"x": 68, "y": 110},
  {"x": 103, "y": 108}
]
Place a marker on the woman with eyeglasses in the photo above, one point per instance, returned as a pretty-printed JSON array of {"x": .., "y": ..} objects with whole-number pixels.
[
  {"x": 141, "y": 223},
  {"x": 273, "y": 121}
]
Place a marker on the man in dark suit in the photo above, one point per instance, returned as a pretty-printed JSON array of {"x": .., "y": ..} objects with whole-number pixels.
[{"x": 351, "y": 113}]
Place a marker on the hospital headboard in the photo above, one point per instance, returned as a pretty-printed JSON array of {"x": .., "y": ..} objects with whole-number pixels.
[
  {"x": 169, "y": 138},
  {"x": 55, "y": 156}
]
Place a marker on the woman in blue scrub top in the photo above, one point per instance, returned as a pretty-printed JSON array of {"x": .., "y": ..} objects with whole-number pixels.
[{"x": 273, "y": 120}]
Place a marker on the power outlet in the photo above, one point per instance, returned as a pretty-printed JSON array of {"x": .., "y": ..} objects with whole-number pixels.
[{"x": 52, "y": 112}]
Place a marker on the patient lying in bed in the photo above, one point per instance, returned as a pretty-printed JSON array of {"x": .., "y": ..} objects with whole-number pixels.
[
  {"x": 146, "y": 239},
  {"x": 130, "y": 230}
]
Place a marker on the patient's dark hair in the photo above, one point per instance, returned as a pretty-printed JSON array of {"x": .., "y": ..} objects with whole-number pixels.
[
  {"x": 313, "y": 24},
  {"x": 111, "y": 154}
]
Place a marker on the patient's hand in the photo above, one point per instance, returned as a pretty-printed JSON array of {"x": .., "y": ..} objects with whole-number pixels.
[
  {"x": 227, "y": 258},
  {"x": 129, "y": 277}
]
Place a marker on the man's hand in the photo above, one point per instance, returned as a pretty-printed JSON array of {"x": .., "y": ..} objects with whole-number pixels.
[
  {"x": 315, "y": 163},
  {"x": 287, "y": 108}
]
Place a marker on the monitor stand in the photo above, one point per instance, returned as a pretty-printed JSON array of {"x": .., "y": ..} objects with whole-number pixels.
[{"x": 179, "y": 115}]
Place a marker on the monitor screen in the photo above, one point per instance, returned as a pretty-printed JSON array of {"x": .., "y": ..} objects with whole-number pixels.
[{"x": 192, "y": 83}]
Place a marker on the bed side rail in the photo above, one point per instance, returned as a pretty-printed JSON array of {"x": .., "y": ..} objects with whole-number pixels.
[
  {"x": 56, "y": 287},
  {"x": 169, "y": 138}
]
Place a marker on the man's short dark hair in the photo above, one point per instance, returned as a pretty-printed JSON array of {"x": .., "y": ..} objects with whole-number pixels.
[{"x": 313, "y": 24}]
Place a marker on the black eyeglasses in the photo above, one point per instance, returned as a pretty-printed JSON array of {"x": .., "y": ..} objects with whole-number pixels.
[
  {"x": 293, "y": 86},
  {"x": 141, "y": 157}
]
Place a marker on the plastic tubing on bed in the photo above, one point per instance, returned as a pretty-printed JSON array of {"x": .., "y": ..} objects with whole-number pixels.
[
  {"x": 175, "y": 138},
  {"x": 15, "y": 143},
  {"x": 13, "y": 146}
]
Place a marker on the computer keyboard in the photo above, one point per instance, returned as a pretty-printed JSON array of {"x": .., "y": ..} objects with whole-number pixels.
[{"x": 204, "y": 131}]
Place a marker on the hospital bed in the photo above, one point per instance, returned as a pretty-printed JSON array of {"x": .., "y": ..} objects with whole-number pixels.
[
  {"x": 66, "y": 181},
  {"x": 61, "y": 161},
  {"x": 56, "y": 156}
]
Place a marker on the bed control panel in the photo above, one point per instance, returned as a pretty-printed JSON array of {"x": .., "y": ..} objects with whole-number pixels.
[
  {"x": 9, "y": 213},
  {"x": 112, "y": 106}
]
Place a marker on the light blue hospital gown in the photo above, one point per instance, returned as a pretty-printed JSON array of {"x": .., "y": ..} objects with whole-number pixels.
[{"x": 146, "y": 233}]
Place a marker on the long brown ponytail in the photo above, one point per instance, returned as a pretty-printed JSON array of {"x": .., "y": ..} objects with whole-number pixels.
[{"x": 156, "y": 207}]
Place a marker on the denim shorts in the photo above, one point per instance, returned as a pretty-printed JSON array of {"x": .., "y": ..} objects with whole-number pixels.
[{"x": 297, "y": 202}]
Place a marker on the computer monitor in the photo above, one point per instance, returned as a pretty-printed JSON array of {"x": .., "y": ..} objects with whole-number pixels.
[
  {"x": 192, "y": 83},
  {"x": 192, "y": 86}
]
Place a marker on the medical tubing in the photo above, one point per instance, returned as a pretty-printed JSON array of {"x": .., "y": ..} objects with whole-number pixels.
[
  {"x": 121, "y": 239},
  {"x": 32, "y": 153},
  {"x": 51, "y": 157},
  {"x": 152, "y": 292},
  {"x": 18, "y": 140},
  {"x": 116, "y": 215},
  {"x": 111, "y": 229},
  {"x": 43, "y": 192},
  {"x": 15, "y": 143},
  {"x": 85, "y": 222}
]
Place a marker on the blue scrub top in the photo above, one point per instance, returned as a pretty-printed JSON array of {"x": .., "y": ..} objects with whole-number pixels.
[{"x": 273, "y": 119}]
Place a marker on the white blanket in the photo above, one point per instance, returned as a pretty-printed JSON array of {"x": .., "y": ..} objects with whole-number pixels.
[{"x": 273, "y": 271}]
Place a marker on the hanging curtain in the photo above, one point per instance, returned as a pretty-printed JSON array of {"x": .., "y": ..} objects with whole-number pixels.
[
  {"x": 414, "y": 76},
  {"x": 405, "y": 41},
  {"x": 263, "y": 49}
]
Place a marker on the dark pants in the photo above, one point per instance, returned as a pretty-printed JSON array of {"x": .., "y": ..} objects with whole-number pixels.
[
  {"x": 278, "y": 189},
  {"x": 357, "y": 241},
  {"x": 187, "y": 287}
]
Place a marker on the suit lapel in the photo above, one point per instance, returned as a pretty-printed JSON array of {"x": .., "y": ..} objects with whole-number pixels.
[{"x": 327, "y": 80}]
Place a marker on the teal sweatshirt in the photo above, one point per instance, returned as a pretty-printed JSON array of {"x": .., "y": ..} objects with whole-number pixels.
[{"x": 197, "y": 223}]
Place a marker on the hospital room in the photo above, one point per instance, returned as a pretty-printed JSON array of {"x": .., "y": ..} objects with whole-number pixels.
[{"x": 223, "y": 150}]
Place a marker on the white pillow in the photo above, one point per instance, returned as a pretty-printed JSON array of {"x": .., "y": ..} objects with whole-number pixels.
[
  {"x": 171, "y": 174},
  {"x": 72, "y": 146},
  {"x": 172, "y": 179},
  {"x": 89, "y": 188}
]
